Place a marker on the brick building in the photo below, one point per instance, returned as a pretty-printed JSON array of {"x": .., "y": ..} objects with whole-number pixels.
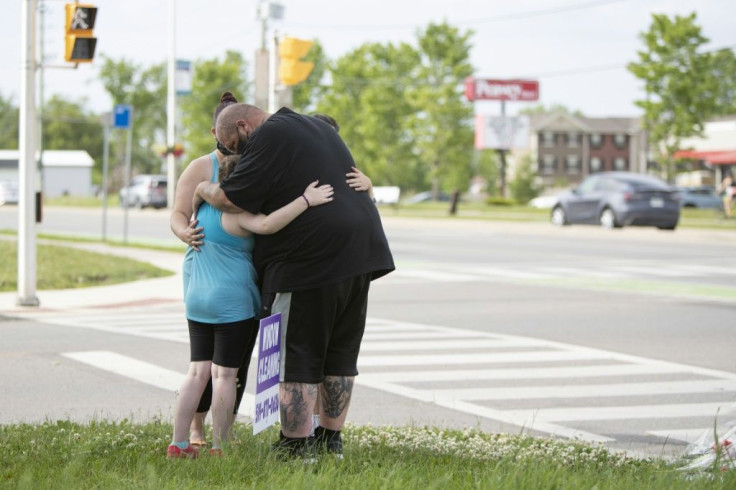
[{"x": 567, "y": 148}]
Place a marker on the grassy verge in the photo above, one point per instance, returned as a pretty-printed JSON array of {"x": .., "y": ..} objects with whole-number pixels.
[
  {"x": 689, "y": 218},
  {"x": 63, "y": 267},
  {"x": 124, "y": 455}
]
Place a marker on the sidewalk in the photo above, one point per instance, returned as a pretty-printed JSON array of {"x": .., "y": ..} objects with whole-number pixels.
[{"x": 148, "y": 291}]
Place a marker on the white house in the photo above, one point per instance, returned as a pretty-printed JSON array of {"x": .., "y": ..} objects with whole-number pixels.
[{"x": 65, "y": 172}]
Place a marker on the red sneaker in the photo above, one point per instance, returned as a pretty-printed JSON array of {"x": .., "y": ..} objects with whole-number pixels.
[
  {"x": 216, "y": 451},
  {"x": 175, "y": 452}
]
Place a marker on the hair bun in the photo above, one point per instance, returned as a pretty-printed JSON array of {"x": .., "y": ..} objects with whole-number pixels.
[{"x": 228, "y": 97}]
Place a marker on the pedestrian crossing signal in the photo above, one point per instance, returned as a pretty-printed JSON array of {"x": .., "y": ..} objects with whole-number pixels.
[{"x": 80, "y": 42}]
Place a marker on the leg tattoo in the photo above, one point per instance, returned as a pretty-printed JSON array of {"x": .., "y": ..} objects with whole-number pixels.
[
  {"x": 294, "y": 407},
  {"x": 336, "y": 392}
]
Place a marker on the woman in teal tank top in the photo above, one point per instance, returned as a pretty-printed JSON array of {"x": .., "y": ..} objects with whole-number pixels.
[{"x": 221, "y": 294}]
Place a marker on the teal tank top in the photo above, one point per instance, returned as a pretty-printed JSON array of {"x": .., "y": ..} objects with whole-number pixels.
[{"x": 220, "y": 281}]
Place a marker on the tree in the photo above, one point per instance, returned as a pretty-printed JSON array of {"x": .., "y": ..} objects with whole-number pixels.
[
  {"x": 67, "y": 125},
  {"x": 723, "y": 67},
  {"x": 524, "y": 184},
  {"x": 305, "y": 95},
  {"x": 553, "y": 108},
  {"x": 679, "y": 83},
  {"x": 441, "y": 123},
  {"x": 210, "y": 79},
  {"x": 9, "y": 115},
  {"x": 145, "y": 90},
  {"x": 367, "y": 98}
]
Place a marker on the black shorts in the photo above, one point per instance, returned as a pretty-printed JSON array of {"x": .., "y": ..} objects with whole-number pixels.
[
  {"x": 321, "y": 329},
  {"x": 224, "y": 344}
]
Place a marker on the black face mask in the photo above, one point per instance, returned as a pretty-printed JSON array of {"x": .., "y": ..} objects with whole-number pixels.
[
  {"x": 242, "y": 144},
  {"x": 223, "y": 150}
]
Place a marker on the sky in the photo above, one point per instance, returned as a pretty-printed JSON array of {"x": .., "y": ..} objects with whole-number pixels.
[{"x": 576, "y": 49}]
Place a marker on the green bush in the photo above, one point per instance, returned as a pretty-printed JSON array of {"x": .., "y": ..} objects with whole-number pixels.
[{"x": 500, "y": 201}]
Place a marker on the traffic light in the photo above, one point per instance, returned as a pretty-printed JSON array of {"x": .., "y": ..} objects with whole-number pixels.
[
  {"x": 291, "y": 69},
  {"x": 80, "y": 42}
]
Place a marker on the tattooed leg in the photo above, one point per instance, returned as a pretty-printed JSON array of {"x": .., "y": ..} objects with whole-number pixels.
[
  {"x": 335, "y": 394},
  {"x": 296, "y": 402}
]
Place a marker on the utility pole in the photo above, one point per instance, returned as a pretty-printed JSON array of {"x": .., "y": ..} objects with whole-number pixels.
[
  {"x": 27, "y": 159},
  {"x": 171, "y": 109}
]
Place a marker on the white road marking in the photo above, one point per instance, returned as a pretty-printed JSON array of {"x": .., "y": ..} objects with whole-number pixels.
[
  {"x": 144, "y": 372},
  {"x": 659, "y": 411},
  {"x": 423, "y": 348}
]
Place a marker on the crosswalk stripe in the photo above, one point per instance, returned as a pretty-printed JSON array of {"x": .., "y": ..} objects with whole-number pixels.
[
  {"x": 415, "y": 345},
  {"x": 499, "y": 415},
  {"x": 586, "y": 414},
  {"x": 144, "y": 372},
  {"x": 484, "y": 358},
  {"x": 523, "y": 373},
  {"x": 586, "y": 391},
  {"x": 685, "y": 435}
]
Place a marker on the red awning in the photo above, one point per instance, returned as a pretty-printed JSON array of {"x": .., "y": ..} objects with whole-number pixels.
[{"x": 721, "y": 157}]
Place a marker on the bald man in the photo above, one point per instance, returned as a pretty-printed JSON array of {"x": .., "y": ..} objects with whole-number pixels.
[{"x": 317, "y": 271}]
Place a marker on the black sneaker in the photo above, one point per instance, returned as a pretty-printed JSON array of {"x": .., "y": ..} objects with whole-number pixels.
[
  {"x": 328, "y": 441},
  {"x": 291, "y": 449}
]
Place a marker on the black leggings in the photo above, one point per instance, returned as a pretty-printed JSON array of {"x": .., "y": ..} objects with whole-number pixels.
[{"x": 247, "y": 333}]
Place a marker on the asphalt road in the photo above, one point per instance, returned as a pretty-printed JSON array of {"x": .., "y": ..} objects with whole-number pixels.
[{"x": 623, "y": 336}]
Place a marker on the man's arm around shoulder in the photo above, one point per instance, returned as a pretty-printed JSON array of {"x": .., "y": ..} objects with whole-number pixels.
[{"x": 213, "y": 194}]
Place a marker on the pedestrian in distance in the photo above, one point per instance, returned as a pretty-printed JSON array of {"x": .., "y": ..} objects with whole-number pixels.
[
  {"x": 222, "y": 301},
  {"x": 727, "y": 191},
  {"x": 316, "y": 272}
]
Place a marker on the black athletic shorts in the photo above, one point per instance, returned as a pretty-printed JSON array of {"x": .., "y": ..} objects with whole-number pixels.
[
  {"x": 321, "y": 329},
  {"x": 224, "y": 344}
]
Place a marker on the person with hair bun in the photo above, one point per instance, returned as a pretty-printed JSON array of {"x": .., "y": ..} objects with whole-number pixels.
[
  {"x": 188, "y": 231},
  {"x": 316, "y": 272},
  {"x": 220, "y": 292}
]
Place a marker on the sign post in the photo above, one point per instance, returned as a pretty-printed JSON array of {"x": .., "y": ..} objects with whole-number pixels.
[
  {"x": 267, "y": 374},
  {"x": 505, "y": 130},
  {"x": 123, "y": 119}
]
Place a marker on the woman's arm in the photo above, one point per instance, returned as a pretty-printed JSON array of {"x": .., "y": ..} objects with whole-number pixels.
[
  {"x": 360, "y": 182},
  {"x": 182, "y": 221},
  {"x": 263, "y": 224}
]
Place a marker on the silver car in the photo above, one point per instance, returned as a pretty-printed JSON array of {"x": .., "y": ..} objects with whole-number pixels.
[
  {"x": 144, "y": 191},
  {"x": 616, "y": 199},
  {"x": 8, "y": 192}
]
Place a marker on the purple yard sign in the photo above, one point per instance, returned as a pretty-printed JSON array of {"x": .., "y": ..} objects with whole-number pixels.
[{"x": 267, "y": 374}]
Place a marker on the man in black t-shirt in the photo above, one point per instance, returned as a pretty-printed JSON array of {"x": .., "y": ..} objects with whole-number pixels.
[{"x": 317, "y": 270}]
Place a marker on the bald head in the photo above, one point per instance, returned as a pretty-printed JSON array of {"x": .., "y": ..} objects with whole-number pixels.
[{"x": 247, "y": 117}]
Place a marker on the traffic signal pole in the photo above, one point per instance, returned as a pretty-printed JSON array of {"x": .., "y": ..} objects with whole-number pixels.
[
  {"x": 171, "y": 108},
  {"x": 27, "y": 159}
]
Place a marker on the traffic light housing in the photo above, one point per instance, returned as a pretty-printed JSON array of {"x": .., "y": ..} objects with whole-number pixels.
[
  {"x": 80, "y": 42},
  {"x": 291, "y": 69}
]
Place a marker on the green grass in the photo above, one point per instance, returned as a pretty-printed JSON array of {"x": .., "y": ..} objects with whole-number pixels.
[
  {"x": 113, "y": 200},
  {"x": 126, "y": 455},
  {"x": 61, "y": 267}
]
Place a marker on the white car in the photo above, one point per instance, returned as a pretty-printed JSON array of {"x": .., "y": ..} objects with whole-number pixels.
[
  {"x": 543, "y": 202},
  {"x": 8, "y": 192},
  {"x": 144, "y": 191}
]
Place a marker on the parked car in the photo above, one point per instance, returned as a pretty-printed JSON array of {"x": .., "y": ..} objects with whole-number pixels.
[
  {"x": 143, "y": 191},
  {"x": 8, "y": 192},
  {"x": 699, "y": 197},
  {"x": 616, "y": 199},
  {"x": 543, "y": 202},
  {"x": 427, "y": 197}
]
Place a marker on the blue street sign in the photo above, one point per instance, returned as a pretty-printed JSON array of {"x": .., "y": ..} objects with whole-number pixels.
[{"x": 121, "y": 116}]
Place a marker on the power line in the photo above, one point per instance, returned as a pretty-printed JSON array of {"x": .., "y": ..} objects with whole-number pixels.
[{"x": 496, "y": 18}]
